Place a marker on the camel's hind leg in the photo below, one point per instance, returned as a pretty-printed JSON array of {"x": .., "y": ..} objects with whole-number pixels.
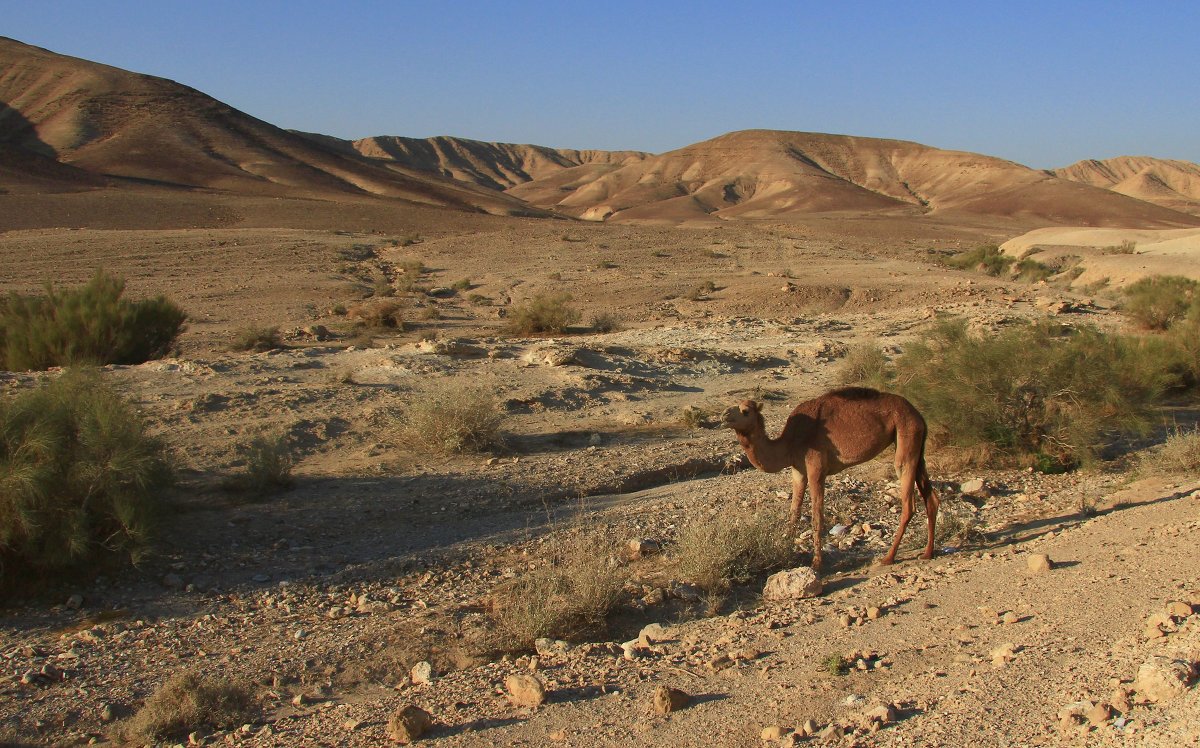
[
  {"x": 908, "y": 477},
  {"x": 799, "y": 484},
  {"x": 925, "y": 486}
]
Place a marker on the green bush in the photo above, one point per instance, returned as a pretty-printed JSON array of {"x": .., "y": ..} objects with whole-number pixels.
[
  {"x": 1158, "y": 301},
  {"x": 865, "y": 365},
  {"x": 1037, "y": 390},
  {"x": 92, "y": 324},
  {"x": 986, "y": 258},
  {"x": 548, "y": 312},
  {"x": 79, "y": 477}
]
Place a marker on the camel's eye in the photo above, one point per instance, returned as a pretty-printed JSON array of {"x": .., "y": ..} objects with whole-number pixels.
[{"x": 745, "y": 412}]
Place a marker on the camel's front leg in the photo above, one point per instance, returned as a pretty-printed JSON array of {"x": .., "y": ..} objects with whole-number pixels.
[{"x": 799, "y": 484}]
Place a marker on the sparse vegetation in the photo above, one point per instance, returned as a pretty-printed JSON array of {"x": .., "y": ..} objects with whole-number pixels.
[
  {"x": 733, "y": 546},
  {"x": 605, "y": 322},
  {"x": 605, "y": 265},
  {"x": 378, "y": 315},
  {"x": 1180, "y": 453},
  {"x": 256, "y": 339},
  {"x": 986, "y": 258},
  {"x": 381, "y": 286},
  {"x": 452, "y": 417},
  {"x": 268, "y": 467},
  {"x": 835, "y": 664},
  {"x": 80, "y": 479},
  {"x": 865, "y": 365},
  {"x": 430, "y": 313},
  {"x": 463, "y": 284},
  {"x": 1159, "y": 301},
  {"x": 190, "y": 701},
  {"x": 409, "y": 275},
  {"x": 568, "y": 597},
  {"x": 693, "y": 417},
  {"x": 92, "y": 324},
  {"x": 548, "y": 312},
  {"x": 1032, "y": 271},
  {"x": 1126, "y": 247},
  {"x": 477, "y": 299},
  {"x": 701, "y": 291}
]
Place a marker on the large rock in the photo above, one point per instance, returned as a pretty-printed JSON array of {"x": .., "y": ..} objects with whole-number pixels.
[
  {"x": 792, "y": 584},
  {"x": 1162, "y": 678},
  {"x": 525, "y": 690},
  {"x": 408, "y": 724},
  {"x": 1038, "y": 563}
]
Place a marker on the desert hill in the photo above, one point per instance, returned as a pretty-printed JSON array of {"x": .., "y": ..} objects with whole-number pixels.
[
  {"x": 149, "y": 130},
  {"x": 1172, "y": 184},
  {"x": 775, "y": 174},
  {"x": 497, "y": 166}
]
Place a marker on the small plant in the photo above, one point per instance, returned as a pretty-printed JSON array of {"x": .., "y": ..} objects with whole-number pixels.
[
  {"x": 605, "y": 322},
  {"x": 88, "y": 325},
  {"x": 378, "y": 315},
  {"x": 548, "y": 312},
  {"x": 476, "y": 299},
  {"x": 568, "y": 597},
  {"x": 1159, "y": 301},
  {"x": 1031, "y": 270},
  {"x": 732, "y": 546},
  {"x": 381, "y": 286},
  {"x": 407, "y": 240},
  {"x": 605, "y": 265},
  {"x": 256, "y": 339},
  {"x": 463, "y": 284},
  {"x": 1180, "y": 453},
  {"x": 701, "y": 291},
  {"x": 1126, "y": 247},
  {"x": 80, "y": 479},
  {"x": 431, "y": 313},
  {"x": 190, "y": 701},
  {"x": 338, "y": 310},
  {"x": 410, "y": 273},
  {"x": 835, "y": 664},
  {"x": 865, "y": 365},
  {"x": 268, "y": 466},
  {"x": 693, "y": 417},
  {"x": 986, "y": 258},
  {"x": 452, "y": 417}
]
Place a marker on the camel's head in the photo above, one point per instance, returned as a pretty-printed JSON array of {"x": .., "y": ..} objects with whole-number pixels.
[{"x": 744, "y": 417}]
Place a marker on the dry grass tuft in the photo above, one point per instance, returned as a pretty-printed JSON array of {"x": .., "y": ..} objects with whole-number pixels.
[
  {"x": 1180, "y": 453},
  {"x": 732, "y": 546},
  {"x": 268, "y": 468},
  {"x": 256, "y": 339},
  {"x": 190, "y": 701},
  {"x": 378, "y": 315},
  {"x": 548, "y": 312},
  {"x": 452, "y": 417},
  {"x": 569, "y": 597}
]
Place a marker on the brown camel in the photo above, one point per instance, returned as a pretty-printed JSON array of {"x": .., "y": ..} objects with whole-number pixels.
[{"x": 837, "y": 430}]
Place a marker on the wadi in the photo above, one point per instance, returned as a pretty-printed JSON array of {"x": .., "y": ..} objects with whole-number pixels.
[{"x": 312, "y": 441}]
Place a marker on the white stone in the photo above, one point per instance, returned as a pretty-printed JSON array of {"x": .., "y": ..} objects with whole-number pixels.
[{"x": 792, "y": 584}]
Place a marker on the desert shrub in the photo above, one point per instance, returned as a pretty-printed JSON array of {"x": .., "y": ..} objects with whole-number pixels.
[
  {"x": 190, "y": 701},
  {"x": 1180, "y": 453},
  {"x": 1126, "y": 247},
  {"x": 378, "y": 315},
  {"x": 835, "y": 664},
  {"x": 693, "y": 417},
  {"x": 80, "y": 479},
  {"x": 1031, "y": 270},
  {"x": 1158, "y": 301},
  {"x": 732, "y": 546},
  {"x": 268, "y": 469},
  {"x": 92, "y": 324},
  {"x": 462, "y": 284},
  {"x": 569, "y": 597},
  {"x": 478, "y": 299},
  {"x": 605, "y": 265},
  {"x": 986, "y": 258},
  {"x": 701, "y": 291},
  {"x": 452, "y": 417},
  {"x": 256, "y": 339},
  {"x": 863, "y": 364},
  {"x": 548, "y": 312},
  {"x": 1031, "y": 390},
  {"x": 605, "y": 322},
  {"x": 381, "y": 286}
]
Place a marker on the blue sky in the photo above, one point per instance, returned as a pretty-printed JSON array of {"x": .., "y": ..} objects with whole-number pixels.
[{"x": 1042, "y": 83}]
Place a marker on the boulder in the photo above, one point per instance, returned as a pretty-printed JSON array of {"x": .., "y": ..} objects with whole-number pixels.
[
  {"x": 408, "y": 724},
  {"x": 525, "y": 690},
  {"x": 792, "y": 584},
  {"x": 1162, "y": 678},
  {"x": 667, "y": 700}
]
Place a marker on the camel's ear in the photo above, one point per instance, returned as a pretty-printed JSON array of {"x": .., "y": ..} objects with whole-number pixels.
[{"x": 756, "y": 406}]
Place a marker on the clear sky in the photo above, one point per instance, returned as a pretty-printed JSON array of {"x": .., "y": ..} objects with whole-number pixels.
[{"x": 1043, "y": 83}]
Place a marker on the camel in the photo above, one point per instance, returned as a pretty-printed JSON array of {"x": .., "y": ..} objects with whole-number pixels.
[{"x": 828, "y": 434}]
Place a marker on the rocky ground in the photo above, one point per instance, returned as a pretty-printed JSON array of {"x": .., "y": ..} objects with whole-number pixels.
[{"x": 384, "y": 557}]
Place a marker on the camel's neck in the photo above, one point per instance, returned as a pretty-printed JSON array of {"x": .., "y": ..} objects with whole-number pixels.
[{"x": 767, "y": 454}]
